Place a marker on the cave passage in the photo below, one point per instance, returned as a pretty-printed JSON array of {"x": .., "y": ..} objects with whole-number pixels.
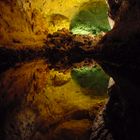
[{"x": 50, "y": 86}]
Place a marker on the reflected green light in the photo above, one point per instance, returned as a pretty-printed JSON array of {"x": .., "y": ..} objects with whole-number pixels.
[{"x": 91, "y": 78}]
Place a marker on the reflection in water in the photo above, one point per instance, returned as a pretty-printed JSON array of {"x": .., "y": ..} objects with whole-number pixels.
[{"x": 36, "y": 106}]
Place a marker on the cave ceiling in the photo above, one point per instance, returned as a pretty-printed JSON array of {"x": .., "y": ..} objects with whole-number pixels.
[{"x": 29, "y": 21}]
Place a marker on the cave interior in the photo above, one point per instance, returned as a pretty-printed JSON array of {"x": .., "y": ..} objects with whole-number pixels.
[{"x": 69, "y": 70}]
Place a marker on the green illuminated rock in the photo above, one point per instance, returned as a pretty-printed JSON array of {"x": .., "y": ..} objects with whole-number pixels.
[{"x": 92, "y": 18}]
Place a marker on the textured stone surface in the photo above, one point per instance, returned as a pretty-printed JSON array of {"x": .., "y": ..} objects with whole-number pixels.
[
  {"x": 38, "y": 103},
  {"x": 29, "y": 21},
  {"x": 119, "y": 56},
  {"x": 38, "y": 114},
  {"x": 73, "y": 130},
  {"x": 91, "y": 18}
]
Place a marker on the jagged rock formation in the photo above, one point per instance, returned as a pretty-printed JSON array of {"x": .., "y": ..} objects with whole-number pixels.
[
  {"x": 39, "y": 103},
  {"x": 91, "y": 18},
  {"x": 119, "y": 56},
  {"x": 117, "y": 53},
  {"x": 62, "y": 50},
  {"x": 29, "y": 21}
]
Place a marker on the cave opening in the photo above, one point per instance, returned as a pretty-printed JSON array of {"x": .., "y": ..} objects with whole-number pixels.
[{"x": 48, "y": 88}]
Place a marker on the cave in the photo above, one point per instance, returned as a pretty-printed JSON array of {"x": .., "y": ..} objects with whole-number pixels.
[{"x": 69, "y": 70}]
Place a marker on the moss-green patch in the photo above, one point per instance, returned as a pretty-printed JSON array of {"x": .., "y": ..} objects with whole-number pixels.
[
  {"x": 91, "y": 18},
  {"x": 91, "y": 79}
]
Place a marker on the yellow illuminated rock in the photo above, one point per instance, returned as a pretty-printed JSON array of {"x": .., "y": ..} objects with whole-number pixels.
[
  {"x": 46, "y": 109},
  {"x": 26, "y": 21},
  {"x": 41, "y": 103}
]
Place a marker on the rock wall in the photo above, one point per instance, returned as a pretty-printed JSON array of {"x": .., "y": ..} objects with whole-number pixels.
[
  {"x": 119, "y": 55},
  {"x": 91, "y": 18},
  {"x": 39, "y": 102},
  {"x": 29, "y": 21}
]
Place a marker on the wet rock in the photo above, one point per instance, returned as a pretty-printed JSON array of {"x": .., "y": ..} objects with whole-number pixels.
[
  {"x": 33, "y": 107},
  {"x": 73, "y": 130},
  {"x": 120, "y": 58}
]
